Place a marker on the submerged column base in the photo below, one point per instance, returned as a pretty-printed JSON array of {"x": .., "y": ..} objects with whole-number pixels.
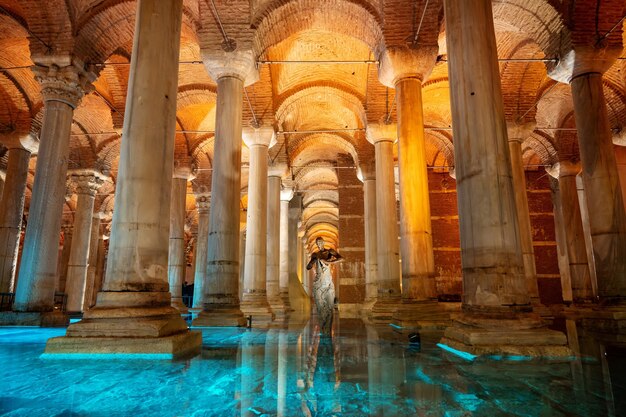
[
  {"x": 28, "y": 318},
  {"x": 428, "y": 315},
  {"x": 129, "y": 322},
  {"x": 519, "y": 335},
  {"x": 383, "y": 309},
  {"x": 220, "y": 315}
]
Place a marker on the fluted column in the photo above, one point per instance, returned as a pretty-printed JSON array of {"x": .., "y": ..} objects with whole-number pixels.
[
  {"x": 565, "y": 172},
  {"x": 176, "y": 262},
  {"x": 62, "y": 90},
  {"x": 231, "y": 70},
  {"x": 368, "y": 172},
  {"x": 285, "y": 197},
  {"x": 255, "y": 299},
  {"x": 133, "y": 312},
  {"x": 87, "y": 185},
  {"x": 20, "y": 146},
  {"x": 517, "y": 133},
  {"x": 495, "y": 295},
  {"x": 383, "y": 137},
  {"x": 277, "y": 304},
  {"x": 203, "y": 203}
]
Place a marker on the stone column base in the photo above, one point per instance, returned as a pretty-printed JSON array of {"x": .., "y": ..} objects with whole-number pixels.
[
  {"x": 220, "y": 316},
  {"x": 178, "y": 304},
  {"x": 260, "y": 312},
  {"x": 285, "y": 298},
  {"x": 277, "y": 306},
  {"x": 41, "y": 319},
  {"x": 383, "y": 309},
  {"x": 606, "y": 320},
  {"x": 168, "y": 347},
  {"x": 524, "y": 336},
  {"x": 427, "y": 315}
]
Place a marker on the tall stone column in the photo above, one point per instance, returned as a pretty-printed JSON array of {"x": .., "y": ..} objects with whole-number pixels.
[
  {"x": 565, "y": 172},
  {"x": 368, "y": 172},
  {"x": 497, "y": 314},
  {"x": 389, "y": 294},
  {"x": 286, "y": 195},
  {"x": 255, "y": 300},
  {"x": 203, "y": 203},
  {"x": 561, "y": 243},
  {"x": 133, "y": 312},
  {"x": 273, "y": 240},
  {"x": 20, "y": 146},
  {"x": 92, "y": 260},
  {"x": 582, "y": 67},
  {"x": 231, "y": 70},
  {"x": 64, "y": 258},
  {"x": 87, "y": 185},
  {"x": 176, "y": 262},
  {"x": 584, "y": 214},
  {"x": 62, "y": 89},
  {"x": 100, "y": 266},
  {"x": 517, "y": 134}
]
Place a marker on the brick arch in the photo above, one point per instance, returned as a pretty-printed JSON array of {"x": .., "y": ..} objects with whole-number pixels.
[
  {"x": 542, "y": 145},
  {"x": 50, "y": 21}
]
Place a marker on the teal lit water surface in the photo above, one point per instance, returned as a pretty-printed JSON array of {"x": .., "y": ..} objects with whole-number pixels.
[{"x": 361, "y": 371}]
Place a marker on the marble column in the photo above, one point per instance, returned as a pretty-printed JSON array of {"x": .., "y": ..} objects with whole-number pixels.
[
  {"x": 273, "y": 240},
  {"x": 561, "y": 243},
  {"x": 231, "y": 70},
  {"x": 203, "y": 203},
  {"x": 584, "y": 214},
  {"x": 388, "y": 282},
  {"x": 20, "y": 146},
  {"x": 497, "y": 314},
  {"x": 368, "y": 172},
  {"x": 565, "y": 172},
  {"x": 87, "y": 185},
  {"x": 90, "y": 282},
  {"x": 176, "y": 262},
  {"x": 133, "y": 312},
  {"x": 64, "y": 258},
  {"x": 255, "y": 299},
  {"x": 517, "y": 133},
  {"x": 100, "y": 266},
  {"x": 62, "y": 89},
  {"x": 286, "y": 195}
]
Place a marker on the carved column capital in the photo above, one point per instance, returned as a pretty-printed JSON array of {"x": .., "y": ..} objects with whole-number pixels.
[
  {"x": 87, "y": 182},
  {"x": 519, "y": 132},
  {"x": 203, "y": 202},
  {"x": 65, "y": 84}
]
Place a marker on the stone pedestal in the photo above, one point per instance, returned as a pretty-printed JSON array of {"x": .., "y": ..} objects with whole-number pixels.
[
  {"x": 176, "y": 263},
  {"x": 389, "y": 295},
  {"x": 273, "y": 241},
  {"x": 255, "y": 299},
  {"x": 133, "y": 314},
  {"x": 221, "y": 292},
  {"x": 203, "y": 203},
  {"x": 497, "y": 312}
]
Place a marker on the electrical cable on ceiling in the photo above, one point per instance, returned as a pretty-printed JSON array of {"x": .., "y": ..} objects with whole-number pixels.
[{"x": 420, "y": 25}]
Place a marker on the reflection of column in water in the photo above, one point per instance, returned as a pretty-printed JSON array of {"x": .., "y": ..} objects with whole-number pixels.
[
  {"x": 373, "y": 369},
  {"x": 271, "y": 366},
  {"x": 252, "y": 354},
  {"x": 576, "y": 364},
  {"x": 608, "y": 386},
  {"x": 386, "y": 370},
  {"x": 281, "y": 383}
]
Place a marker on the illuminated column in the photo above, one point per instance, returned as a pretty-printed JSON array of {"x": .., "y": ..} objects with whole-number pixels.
[
  {"x": 497, "y": 313},
  {"x": 231, "y": 70},
  {"x": 561, "y": 243},
  {"x": 176, "y": 263},
  {"x": 517, "y": 134},
  {"x": 565, "y": 172},
  {"x": 20, "y": 146},
  {"x": 404, "y": 69},
  {"x": 87, "y": 185},
  {"x": 67, "y": 229},
  {"x": 133, "y": 312},
  {"x": 92, "y": 259},
  {"x": 62, "y": 89},
  {"x": 273, "y": 240},
  {"x": 255, "y": 300},
  {"x": 285, "y": 197},
  {"x": 203, "y": 203},
  {"x": 383, "y": 137},
  {"x": 368, "y": 172}
]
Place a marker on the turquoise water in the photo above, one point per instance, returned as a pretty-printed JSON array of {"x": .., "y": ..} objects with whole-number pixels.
[{"x": 360, "y": 371}]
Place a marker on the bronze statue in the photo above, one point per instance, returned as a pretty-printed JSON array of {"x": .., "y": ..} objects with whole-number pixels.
[{"x": 323, "y": 287}]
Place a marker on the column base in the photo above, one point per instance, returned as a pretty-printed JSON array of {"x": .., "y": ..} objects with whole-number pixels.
[
  {"x": 220, "y": 316},
  {"x": 178, "y": 304},
  {"x": 427, "y": 315},
  {"x": 383, "y": 309},
  {"x": 606, "y": 320},
  {"x": 284, "y": 296},
  {"x": 261, "y": 313},
  {"x": 278, "y": 308},
  {"x": 41, "y": 319},
  {"x": 524, "y": 335},
  {"x": 543, "y": 311}
]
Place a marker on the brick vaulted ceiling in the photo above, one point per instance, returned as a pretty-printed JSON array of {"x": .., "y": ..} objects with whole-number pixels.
[{"x": 320, "y": 109}]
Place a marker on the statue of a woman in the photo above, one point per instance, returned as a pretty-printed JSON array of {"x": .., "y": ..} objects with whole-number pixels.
[{"x": 323, "y": 287}]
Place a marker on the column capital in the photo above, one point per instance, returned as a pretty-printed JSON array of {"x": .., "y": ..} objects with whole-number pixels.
[
  {"x": 366, "y": 171},
  {"x": 401, "y": 62},
  {"x": 67, "y": 228},
  {"x": 260, "y": 136},
  {"x": 240, "y": 64},
  {"x": 20, "y": 140},
  {"x": 67, "y": 84},
  {"x": 203, "y": 202},
  {"x": 103, "y": 215},
  {"x": 87, "y": 181},
  {"x": 277, "y": 170},
  {"x": 183, "y": 171},
  {"x": 381, "y": 132},
  {"x": 564, "y": 169},
  {"x": 519, "y": 132},
  {"x": 286, "y": 194},
  {"x": 579, "y": 60}
]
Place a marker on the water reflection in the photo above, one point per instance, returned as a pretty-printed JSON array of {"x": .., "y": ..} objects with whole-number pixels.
[{"x": 356, "y": 370}]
